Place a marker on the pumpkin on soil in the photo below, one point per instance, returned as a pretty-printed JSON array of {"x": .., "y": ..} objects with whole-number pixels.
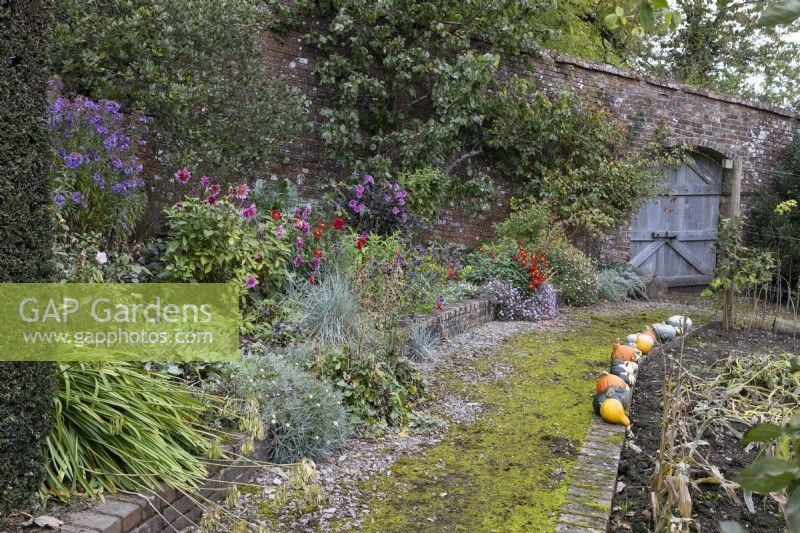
[
  {"x": 649, "y": 331},
  {"x": 625, "y": 374},
  {"x": 683, "y": 323},
  {"x": 607, "y": 380},
  {"x": 624, "y": 352},
  {"x": 645, "y": 343},
  {"x": 665, "y": 332},
  {"x": 612, "y": 411}
]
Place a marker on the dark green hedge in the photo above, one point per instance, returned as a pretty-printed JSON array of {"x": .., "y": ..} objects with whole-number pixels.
[{"x": 26, "y": 389}]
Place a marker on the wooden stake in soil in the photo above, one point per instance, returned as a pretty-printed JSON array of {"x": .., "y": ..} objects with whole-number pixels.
[{"x": 734, "y": 207}]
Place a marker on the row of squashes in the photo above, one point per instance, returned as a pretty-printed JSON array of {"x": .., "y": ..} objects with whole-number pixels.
[{"x": 613, "y": 389}]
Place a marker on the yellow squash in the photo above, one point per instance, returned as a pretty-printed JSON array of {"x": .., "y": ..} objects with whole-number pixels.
[{"x": 613, "y": 412}]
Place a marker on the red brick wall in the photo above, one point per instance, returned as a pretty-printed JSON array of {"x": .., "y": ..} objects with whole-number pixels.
[{"x": 728, "y": 125}]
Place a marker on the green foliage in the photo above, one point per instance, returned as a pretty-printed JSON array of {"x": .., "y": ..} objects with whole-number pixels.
[
  {"x": 773, "y": 222},
  {"x": 782, "y": 12},
  {"x": 574, "y": 275},
  {"x": 377, "y": 388},
  {"x": 177, "y": 60},
  {"x": 118, "y": 427},
  {"x": 619, "y": 282},
  {"x": 573, "y": 156},
  {"x": 25, "y": 237},
  {"x": 724, "y": 46},
  {"x": 428, "y": 190},
  {"x": 531, "y": 223},
  {"x": 495, "y": 261},
  {"x": 214, "y": 243},
  {"x": 774, "y": 474},
  {"x": 409, "y": 90},
  {"x": 84, "y": 258},
  {"x": 738, "y": 266},
  {"x": 302, "y": 416}
]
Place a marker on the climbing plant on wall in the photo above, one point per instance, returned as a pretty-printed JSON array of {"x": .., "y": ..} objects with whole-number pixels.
[{"x": 420, "y": 85}]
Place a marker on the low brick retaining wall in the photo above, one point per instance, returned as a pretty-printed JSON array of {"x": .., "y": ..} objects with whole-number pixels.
[
  {"x": 170, "y": 510},
  {"x": 455, "y": 320}
]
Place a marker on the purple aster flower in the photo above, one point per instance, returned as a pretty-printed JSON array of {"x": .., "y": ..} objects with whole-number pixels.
[
  {"x": 297, "y": 213},
  {"x": 401, "y": 201},
  {"x": 277, "y": 327},
  {"x": 267, "y": 312},
  {"x": 117, "y": 162},
  {"x": 205, "y": 181},
  {"x": 359, "y": 191},
  {"x": 242, "y": 191},
  {"x": 59, "y": 199},
  {"x": 183, "y": 176},
  {"x": 396, "y": 186},
  {"x": 395, "y": 210},
  {"x": 215, "y": 189},
  {"x": 73, "y": 160},
  {"x": 98, "y": 179},
  {"x": 306, "y": 212},
  {"x": 77, "y": 197},
  {"x": 250, "y": 282},
  {"x": 314, "y": 264},
  {"x": 212, "y": 199},
  {"x": 110, "y": 141},
  {"x": 369, "y": 179},
  {"x": 299, "y": 243},
  {"x": 297, "y": 261},
  {"x": 119, "y": 188}
]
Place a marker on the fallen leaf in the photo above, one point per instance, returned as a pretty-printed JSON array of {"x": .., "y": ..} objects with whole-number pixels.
[{"x": 47, "y": 521}]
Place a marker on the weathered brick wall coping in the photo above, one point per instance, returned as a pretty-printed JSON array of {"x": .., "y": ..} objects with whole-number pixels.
[
  {"x": 170, "y": 510},
  {"x": 555, "y": 57}
]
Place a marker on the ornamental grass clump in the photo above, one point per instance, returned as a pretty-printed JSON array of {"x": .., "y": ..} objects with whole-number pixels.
[
  {"x": 119, "y": 427},
  {"x": 328, "y": 310}
]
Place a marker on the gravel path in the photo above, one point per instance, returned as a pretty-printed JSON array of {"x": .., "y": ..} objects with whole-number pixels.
[{"x": 364, "y": 458}]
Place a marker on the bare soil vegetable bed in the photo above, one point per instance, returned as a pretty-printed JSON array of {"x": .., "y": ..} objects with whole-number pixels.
[{"x": 705, "y": 356}]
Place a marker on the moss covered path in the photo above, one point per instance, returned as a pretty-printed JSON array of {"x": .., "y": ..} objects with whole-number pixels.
[{"x": 507, "y": 470}]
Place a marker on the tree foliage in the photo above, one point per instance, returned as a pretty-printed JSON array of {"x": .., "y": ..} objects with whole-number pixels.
[
  {"x": 194, "y": 66},
  {"x": 721, "y": 45}
]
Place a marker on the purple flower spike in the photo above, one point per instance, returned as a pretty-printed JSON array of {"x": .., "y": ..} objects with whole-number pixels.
[{"x": 297, "y": 261}]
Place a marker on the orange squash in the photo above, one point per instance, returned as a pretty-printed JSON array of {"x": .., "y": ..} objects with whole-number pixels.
[
  {"x": 607, "y": 380},
  {"x": 651, "y": 333},
  {"x": 624, "y": 352}
]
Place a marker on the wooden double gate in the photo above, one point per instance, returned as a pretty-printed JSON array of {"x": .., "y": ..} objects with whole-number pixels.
[{"x": 673, "y": 235}]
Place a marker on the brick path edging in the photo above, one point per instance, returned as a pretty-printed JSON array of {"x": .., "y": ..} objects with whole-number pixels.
[
  {"x": 587, "y": 505},
  {"x": 171, "y": 510}
]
